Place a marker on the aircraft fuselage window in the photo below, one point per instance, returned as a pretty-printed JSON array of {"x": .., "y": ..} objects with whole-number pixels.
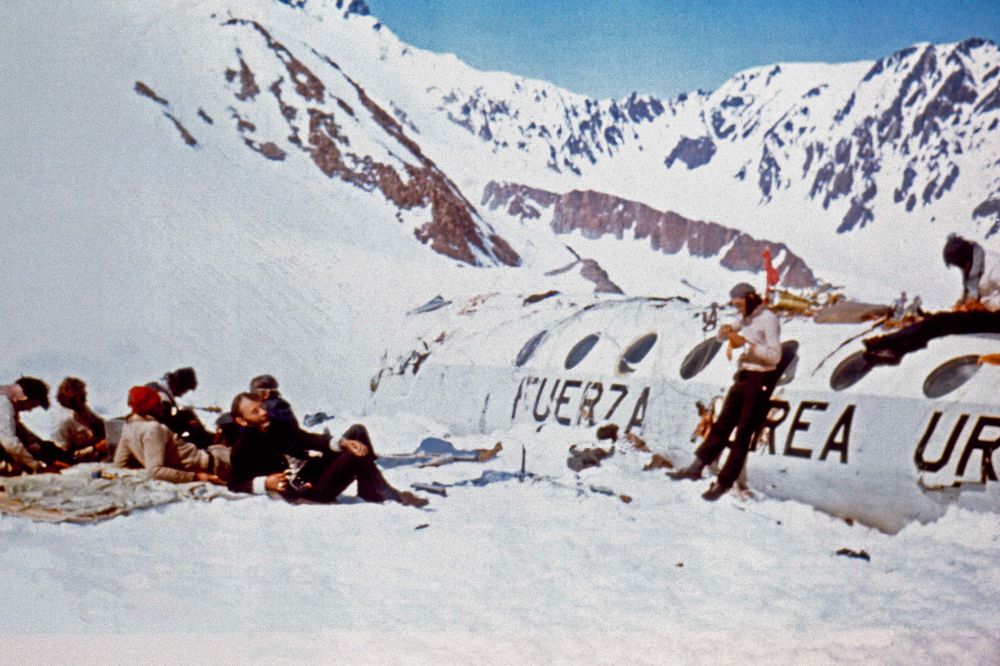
[
  {"x": 528, "y": 350},
  {"x": 950, "y": 375},
  {"x": 699, "y": 357},
  {"x": 638, "y": 349},
  {"x": 580, "y": 351},
  {"x": 849, "y": 371}
]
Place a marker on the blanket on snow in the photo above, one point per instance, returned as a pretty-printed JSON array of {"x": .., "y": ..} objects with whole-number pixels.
[{"x": 96, "y": 491}]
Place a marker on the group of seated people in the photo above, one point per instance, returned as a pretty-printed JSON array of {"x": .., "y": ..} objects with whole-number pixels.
[{"x": 258, "y": 446}]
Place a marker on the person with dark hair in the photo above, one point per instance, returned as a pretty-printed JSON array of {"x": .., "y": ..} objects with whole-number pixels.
[
  {"x": 746, "y": 404},
  {"x": 42, "y": 449},
  {"x": 24, "y": 395},
  {"x": 81, "y": 432},
  {"x": 977, "y": 311},
  {"x": 279, "y": 409},
  {"x": 274, "y": 457},
  {"x": 182, "y": 421},
  {"x": 148, "y": 444}
]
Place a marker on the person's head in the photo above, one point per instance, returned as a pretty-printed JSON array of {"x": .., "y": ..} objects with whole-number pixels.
[
  {"x": 248, "y": 411},
  {"x": 744, "y": 298},
  {"x": 145, "y": 401},
  {"x": 36, "y": 394},
  {"x": 958, "y": 252},
  {"x": 182, "y": 380},
  {"x": 72, "y": 393},
  {"x": 267, "y": 382}
]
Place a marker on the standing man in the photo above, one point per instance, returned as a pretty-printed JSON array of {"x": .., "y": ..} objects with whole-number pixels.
[
  {"x": 266, "y": 450},
  {"x": 758, "y": 333}
]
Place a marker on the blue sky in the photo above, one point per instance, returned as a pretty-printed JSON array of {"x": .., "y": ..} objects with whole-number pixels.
[{"x": 608, "y": 48}]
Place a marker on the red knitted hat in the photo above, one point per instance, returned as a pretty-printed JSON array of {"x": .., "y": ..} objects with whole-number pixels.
[{"x": 143, "y": 399}]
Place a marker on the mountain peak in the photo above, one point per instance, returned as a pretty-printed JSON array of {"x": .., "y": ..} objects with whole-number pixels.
[{"x": 358, "y": 7}]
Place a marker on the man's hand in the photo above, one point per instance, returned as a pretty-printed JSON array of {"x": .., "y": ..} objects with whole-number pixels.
[
  {"x": 276, "y": 482},
  {"x": 210, "y": 478},
  {"x": 354, "y": 447}
]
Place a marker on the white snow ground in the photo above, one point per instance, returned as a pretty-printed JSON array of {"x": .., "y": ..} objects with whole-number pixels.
[
  {"x": 130, "y": 256},
  {"x": 513, "y": 572}
]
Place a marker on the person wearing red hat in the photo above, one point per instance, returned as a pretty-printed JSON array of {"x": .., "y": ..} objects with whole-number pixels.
[{"x": 148, "y": 444}]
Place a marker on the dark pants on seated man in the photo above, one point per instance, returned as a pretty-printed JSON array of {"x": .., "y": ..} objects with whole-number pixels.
[
  {"x": 331, "y": 474},
  {"x": 745, "y": 408},
  {"x": 890, "y": 349}
]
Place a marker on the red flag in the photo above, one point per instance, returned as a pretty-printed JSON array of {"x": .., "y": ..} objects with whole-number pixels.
[{"x": 772, "y": 273}]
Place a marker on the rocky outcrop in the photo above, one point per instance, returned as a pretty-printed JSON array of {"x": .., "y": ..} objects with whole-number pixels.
[
  {"x": 304, "y": 114},
  {"x": 595, "y": 214}
]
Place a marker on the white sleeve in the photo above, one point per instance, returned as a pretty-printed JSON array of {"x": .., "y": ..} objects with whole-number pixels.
[{"x": 257, "y": 485}]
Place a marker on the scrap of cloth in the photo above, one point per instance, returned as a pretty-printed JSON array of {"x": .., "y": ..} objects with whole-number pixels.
[{"x": 93, "y": 492}]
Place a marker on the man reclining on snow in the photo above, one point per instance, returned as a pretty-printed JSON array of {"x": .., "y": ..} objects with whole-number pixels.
[
  {"x": 147, "y": 443},
  {"x": 265, "y": 452}
]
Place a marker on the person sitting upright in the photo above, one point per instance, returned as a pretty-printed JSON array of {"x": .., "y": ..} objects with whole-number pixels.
[
  {"x": 265, "y": 451},
  {"x": 81, "y": 432},
  {"x": 747, "y": 401},
  {"x": 266, "y": 386},
  {"x": 182, "y": 421},
  {"x": 148, "y": 444},
  {"x": 22, "y": 396}
]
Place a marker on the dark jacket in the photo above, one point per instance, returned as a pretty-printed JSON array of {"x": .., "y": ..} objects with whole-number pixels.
[{"x": 256, "y": 453}]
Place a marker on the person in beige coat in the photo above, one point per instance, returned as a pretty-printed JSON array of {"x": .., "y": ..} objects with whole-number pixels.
[{"x": 148, "y": 444}]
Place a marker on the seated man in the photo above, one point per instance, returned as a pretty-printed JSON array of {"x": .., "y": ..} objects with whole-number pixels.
[
  {"x": 22, "y": 396},
  {"x": 262, "y": 452},
  {"x": 148, "y": 444},
  {"x": 266, "y": 386},
  {"x": 184, "y": 421},
  {"x": 81, "y": 432},
  {"x": 977, "y": 311},
  {"x": 748, "y": 399}
]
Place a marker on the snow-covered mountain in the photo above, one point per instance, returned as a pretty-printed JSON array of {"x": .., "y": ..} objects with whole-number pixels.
[{"x": 292, "y": 178}]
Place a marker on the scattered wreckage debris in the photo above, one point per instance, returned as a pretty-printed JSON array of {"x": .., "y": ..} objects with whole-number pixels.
[
  {"x": 658, "y": 461},
  {"x": 608, "y": 431},
  {"x": 581, "y": 459},
  {"x": 434, "y": 452},
  {"x": 855, "y": 554},
  {"x": 535, "y": 298}
]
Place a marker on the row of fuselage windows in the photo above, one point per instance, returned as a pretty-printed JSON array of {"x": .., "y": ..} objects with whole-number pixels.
[{"x": 944, "y": 379}]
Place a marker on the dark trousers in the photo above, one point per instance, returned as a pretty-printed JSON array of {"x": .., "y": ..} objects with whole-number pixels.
[
  {"x": 916, "y": 336},
  {"x": 332, "y": 473},
  {"x": 744, "y": 409}
]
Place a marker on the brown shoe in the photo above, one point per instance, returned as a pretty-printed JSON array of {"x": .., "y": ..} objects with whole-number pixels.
[{"x": 714, "y": 492}]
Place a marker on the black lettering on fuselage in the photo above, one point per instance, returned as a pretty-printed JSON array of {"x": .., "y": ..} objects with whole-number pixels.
[
  {"x": 841, "y": 429},
  {"x": 639, "y": 411},
  {"x": 588, "y": 406},
  {"x": 564, "y": 399},
  {"x": 773, "y": 420},
  {"x": 798, "y": 424},
  {"x": 934, "y": 466},
  {"x": 987, "y": 446},
  {"x": 623, "y": 390}
]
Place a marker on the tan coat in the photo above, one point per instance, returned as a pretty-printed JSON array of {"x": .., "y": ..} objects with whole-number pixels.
[{"x": 146, "y": 443}]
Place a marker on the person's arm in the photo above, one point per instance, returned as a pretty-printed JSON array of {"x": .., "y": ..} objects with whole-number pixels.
[
  {"x": 9, "y": 440},
  {"x": 154, "y": 449},
  {"x": 246, "y": 475}
]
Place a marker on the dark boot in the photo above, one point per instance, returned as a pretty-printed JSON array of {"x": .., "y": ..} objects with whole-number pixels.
[
  {"x": 715, "y": 491},
  {"x": 692, "y": 471}
]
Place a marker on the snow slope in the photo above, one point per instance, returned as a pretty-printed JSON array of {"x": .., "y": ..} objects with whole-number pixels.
[{"x": 127, "y": 252}]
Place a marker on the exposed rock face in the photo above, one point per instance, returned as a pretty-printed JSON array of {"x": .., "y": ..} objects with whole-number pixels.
[
  {"x": 309, "y": 110},
  {"x": 693, "y": 152},
  {"x": 596, "y": 214}
]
